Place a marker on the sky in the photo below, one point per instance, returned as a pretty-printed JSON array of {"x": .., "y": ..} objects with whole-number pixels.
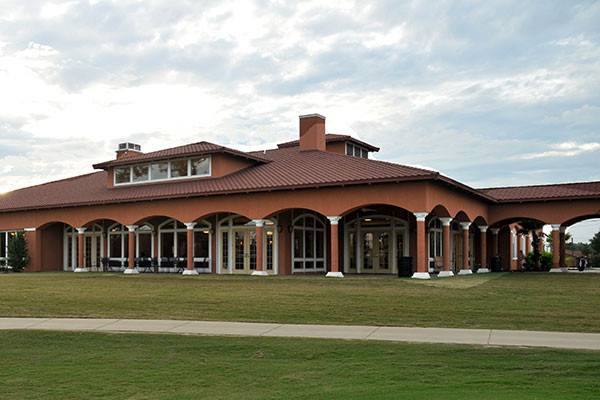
[{"x": 489, "y": 93}]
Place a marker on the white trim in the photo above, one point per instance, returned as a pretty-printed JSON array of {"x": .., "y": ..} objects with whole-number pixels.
[
  {"x": 446, "y": 221},
  {"x": 483, "y": 270},
  {"x": 465, "y": 272},
  {"x": 494, "y": 231},
  {"x": 131, "y": 228},
  {"x": 483, "y": 228},
  {"x": 421, "y": 216},
  {"x": 445, "y": 274},
  {"x": 319, "y": 226},
  {"x": 555, "y": 227},
  {"x": 334, "y": 220},
  {"x": 465, "y": 225},
  {"x": 29, "y": 229},
  {"x": 169, "y": 178},
  {"x": 331, "y": 274},
  {"x": 190, "y": 225},
  {"x": 259, "y": 223},
  {"x": 81, "y": 230}
]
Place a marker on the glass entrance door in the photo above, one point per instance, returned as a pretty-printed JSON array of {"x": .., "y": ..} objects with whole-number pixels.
[
  {"x": 244, "y": 251},
  {"x": 376, "y": 251},
  {"x": 92, "y": 252}
]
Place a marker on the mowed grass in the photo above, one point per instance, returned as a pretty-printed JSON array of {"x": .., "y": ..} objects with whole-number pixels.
[
  {"x": 554, "y": 302},
  {"x": 58, "y": 365}
]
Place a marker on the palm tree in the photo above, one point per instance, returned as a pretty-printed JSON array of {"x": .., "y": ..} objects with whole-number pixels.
[{"x": 533, "y": 227}]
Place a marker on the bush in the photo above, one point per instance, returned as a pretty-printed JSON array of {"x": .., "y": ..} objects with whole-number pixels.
[
  {"x": 546, "y": 261},
  {"x": 18, "y": 256},
  {"x": 595, "y": 261}
]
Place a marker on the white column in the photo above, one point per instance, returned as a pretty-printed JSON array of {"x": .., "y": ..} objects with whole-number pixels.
[
  {"x": 131, "y": 269},
  {"x": 334, "y": 253},
  {"x": 80, "y": 250},
  {"x": 421, "y": 259},
  {"x": 466, "y": 246}
]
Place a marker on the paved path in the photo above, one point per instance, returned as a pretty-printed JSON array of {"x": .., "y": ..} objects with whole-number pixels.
[{"x": 486, "y": 337}]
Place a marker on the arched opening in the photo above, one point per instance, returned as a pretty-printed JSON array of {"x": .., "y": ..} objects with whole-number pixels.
[
  {"x": 237, "y": 245},
  {"x": 578, "y": 250},
  {"x": 93, "y": 247},
  {"x": 377, "y": 240}
]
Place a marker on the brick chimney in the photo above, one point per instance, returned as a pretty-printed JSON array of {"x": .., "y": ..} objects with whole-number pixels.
[
  {"x": 312, "y": 132},
  {"x": 127, "y": 150}
]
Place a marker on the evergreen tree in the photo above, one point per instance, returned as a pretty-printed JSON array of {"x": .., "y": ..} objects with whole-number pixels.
[{"x": 18, "y": 256}]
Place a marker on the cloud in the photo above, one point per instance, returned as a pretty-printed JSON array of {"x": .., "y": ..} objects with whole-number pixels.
[
  {"x": 565, "y": 149},
  {"x": 471, "y": 90}
]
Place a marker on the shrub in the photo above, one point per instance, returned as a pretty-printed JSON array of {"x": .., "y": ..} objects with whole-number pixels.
[
  {"x": 546, "y": 261},
  {"x": 18, "y": 256}
]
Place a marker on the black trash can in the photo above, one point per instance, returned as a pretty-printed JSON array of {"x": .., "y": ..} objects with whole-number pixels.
[
  {"x": 405, "y": 266},
  {"x": 496, "y": 264}
]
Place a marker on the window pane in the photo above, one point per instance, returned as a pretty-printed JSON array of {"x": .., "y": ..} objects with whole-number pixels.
[
  {"x": 166, "y": 244},
  {"x": 298, "y": 244},
  {"x": 438, "y": 244},
  {"x": 181, "y": 244},
  {"x": 309, "y": 242},
  {"x": 349, "y": 150},
  {"x": 159, "y": 171},
  {"x": 179, "y": 168},
  {"x": 115, "y": 246},
  {"x": 298, "y": 265},
  {"x": 365, "y": 154},
  {"x": 357, "y": 152},
  {"x": 2, "y": 244},
  {"x": 122, "y": 175},
  {"x": 225, "y": 250},
  {"x": 145, "y": 245},
  {"x": 140, "y": 173},
  {"x": 201, "y": 244},
  {"x": 320, "y": 238},
  {"x": 200, "y": 166}
]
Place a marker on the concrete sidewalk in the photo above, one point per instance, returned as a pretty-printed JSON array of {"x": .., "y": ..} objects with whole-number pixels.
[{"x": 485, "y": 337}]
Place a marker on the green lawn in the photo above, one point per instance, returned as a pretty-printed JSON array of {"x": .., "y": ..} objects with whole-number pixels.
[
  {"x": 557, "y": 302},
  {"x": 53, "y": 365}
]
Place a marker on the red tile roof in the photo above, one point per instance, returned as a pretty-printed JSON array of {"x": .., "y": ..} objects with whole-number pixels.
[
  {"x": 545, "y": 192},
  {"x": 333, "y": 138},
  {"x": 199, "y": 148},
  {"x": 287, "y": 168}
]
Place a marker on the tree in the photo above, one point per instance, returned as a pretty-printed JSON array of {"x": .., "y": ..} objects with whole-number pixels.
[
  {"x": 528, "y": 226},
  {"x": 568, "y": 237},
  {"x": 18, "y": 256},
  {"x": 595, "y": 249}
]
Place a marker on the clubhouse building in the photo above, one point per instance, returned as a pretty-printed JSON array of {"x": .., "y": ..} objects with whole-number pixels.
[{"x": 315, "y": 205}]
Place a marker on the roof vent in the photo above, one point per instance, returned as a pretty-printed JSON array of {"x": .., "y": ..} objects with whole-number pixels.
[{"x": 128, "y": 149}]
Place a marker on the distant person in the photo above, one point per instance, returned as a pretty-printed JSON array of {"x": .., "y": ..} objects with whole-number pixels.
[{"x": 582, "y": 263}]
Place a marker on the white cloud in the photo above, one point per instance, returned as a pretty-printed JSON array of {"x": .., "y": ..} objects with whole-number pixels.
[{"x": 565, "y": 149}]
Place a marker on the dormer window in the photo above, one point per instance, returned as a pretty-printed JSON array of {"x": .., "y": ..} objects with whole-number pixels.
[
  {"x": 356, "y": 151},
  {"x": 162, "y": 171}
]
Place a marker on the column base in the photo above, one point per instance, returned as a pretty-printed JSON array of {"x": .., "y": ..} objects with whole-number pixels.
[
  {"x": 465, "y": 272},
  {"x": 332, "y": 274},
  {"x": 421, "y": 275},
  {"x": 483, "y": 270},
  {"x": 81, "y": 269},
  {"x": 131, "y": 271},
  {"x": 445, "y": 274},
  {"x": 259, "y": 273},
  {"x": 189, "y": 272},
  {"x": 561, "y": 269}
]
